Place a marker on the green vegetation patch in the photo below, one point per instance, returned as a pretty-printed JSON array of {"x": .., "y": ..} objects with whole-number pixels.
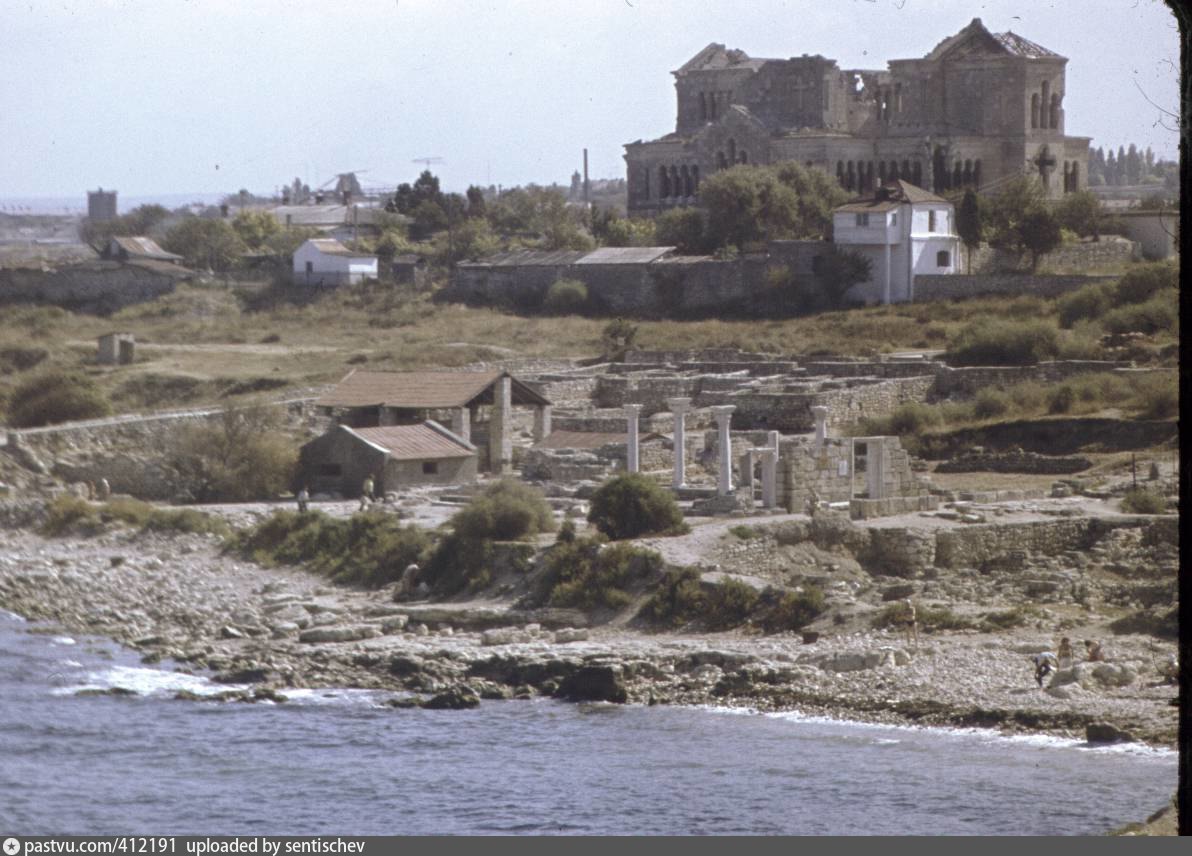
[
  {"x": 591, "y": 574},
  {"x": 680, "y": 598},
  {"x": 633, "y": 505},
  {"x": 1142, "y": 501},
  {"x": 56, "y": 396},
  {"x": 71, "y": 515}
]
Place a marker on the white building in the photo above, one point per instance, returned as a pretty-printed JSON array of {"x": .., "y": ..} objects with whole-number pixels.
[
  {"x": 325, "y": 261},
  {"x": 904, "y": 231}
]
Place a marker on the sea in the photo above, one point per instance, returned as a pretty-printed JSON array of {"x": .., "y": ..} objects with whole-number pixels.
[{"x": 342, "y": 762}]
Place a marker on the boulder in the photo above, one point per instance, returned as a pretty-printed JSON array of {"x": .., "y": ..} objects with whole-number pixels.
[
  {"x": 230, "y": 632},
  {"x": 396, "y": 624},
  {"x": 338, "y": 634},
  {"x": 570, "y": 634},
  {"x": 251, "y": 675},
  {"x": 1103, "y": 732},
  {"x": 455, "y": 698},
  {"x": 852, "y": 661},
  {"x": 594, "y": 683},
  {"x": 1114, "y": 674}
]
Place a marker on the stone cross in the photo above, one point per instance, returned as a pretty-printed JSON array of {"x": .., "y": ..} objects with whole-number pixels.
[
  {"x": 632, "y": 458},
  {"x": 724, "y": 416},
  {"x": 679, "y": 407}
]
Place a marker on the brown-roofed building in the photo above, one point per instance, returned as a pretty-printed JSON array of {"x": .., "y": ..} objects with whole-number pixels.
[
  {"x": 396, "y": 456},
  {"x": 137, "y": 248},
  {"x": 477, "y": 405}
]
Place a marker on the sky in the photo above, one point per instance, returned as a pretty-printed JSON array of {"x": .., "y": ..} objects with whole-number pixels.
[{"x": 210, "y": 96}]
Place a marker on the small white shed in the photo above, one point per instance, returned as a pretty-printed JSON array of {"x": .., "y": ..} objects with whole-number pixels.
[{"x": 325, "y": 261}]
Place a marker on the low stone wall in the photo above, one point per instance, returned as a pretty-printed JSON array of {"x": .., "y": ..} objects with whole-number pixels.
[
  {"x": 967, "y": 381},
  {"x": 1074, "y": 258},
  {"x": 1015, "y": 462},
  {"x": 867, "y": 509},
  {"x": 979, "y": 545},
  {"x": 956, "y": 286},
  {"x": 100, "y": 287}
]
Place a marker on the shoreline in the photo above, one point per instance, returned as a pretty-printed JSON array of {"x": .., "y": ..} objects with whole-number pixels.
[{"x": 176, "y": 597}]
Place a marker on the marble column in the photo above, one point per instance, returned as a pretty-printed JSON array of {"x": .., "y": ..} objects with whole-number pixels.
[
  {"x": 461, "y": 423},
  {"x": 500, "y": 431},
  {"x": 875, "y": 468},
  {"x": 745, "y": 469},
  {"x": 821, "y": 424},
  {"x": 679, "y": 407},
  {"x": 724, "y": 416},
  {"x": 769, "y": 478},
  {"x": 632, "y": 453},
  {"x": 541, "y": 422}
]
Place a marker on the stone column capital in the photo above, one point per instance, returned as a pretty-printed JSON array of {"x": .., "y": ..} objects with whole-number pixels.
[
  {"x": 678, "y": 405},
  {"x": 632, "y": 410},
  {"x": 723, "y": 412}
]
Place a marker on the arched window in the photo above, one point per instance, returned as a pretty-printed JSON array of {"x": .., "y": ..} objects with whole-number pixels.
[
  {"x": 905, "y": 172},
  {"x": 1043, "y": 105},
  {"x": 892, "y": 171},
  {"x": 732, "y": 150},
  {"x": 943, "y": 259},
  {"x": 744, "y": 156},
  {"x": 917, "y": 174},
  {"x": 721, "y": 163},
  {"x": 957, "y": 174},
  {"x": 685, "y": 174},
  {"x": 1035, "y": 110},
  {"x": 881, "y": 172},
  {"x": 840, "y": 173},
  {"x": 645, "y": 182},
  {"x": 968, "y": 173},
  {"x": 675, "y": 182},
  {"x": 664, "y": 188},
  {"x": 695, "y": 179},
  {"x": 977, "y": 174},
  {"x": 851, "y": 180},
  {"x": 1075, "y": 176},
  {"x": 1053, "y": 116},
  {"x": 703, "y": 107}
]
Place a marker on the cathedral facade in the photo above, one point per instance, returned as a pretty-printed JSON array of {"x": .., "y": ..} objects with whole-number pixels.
[{"x": 978, "y": 110}]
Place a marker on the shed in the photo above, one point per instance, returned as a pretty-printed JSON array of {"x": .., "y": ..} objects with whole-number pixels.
[
  {"x": 137, "y": 248},
  {"x": 327, "y": 262},
  {"x": 396, "y": 456}
]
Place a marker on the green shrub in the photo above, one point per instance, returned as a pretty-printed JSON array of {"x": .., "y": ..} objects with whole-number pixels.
[
  {"x": 1088, "y": 302},
  {"x": 727, "y": 604},
  {"x": 56, "y": 396},
  {"x": 990, "y": 403},
  {"x": 929, "y": 618},
  {"x": 1141, "y": 283},
  {"x": 505, "y": 510},
  {"x": 1061, "y": 399},
  {"x": 910, "y": 419},
  {"x": 745, "y": 533},
  {"x": 566, "y": 532},
  {"x": 1157, "y": 396},
  {"x": 371, "y": 549},
  {"x": 678, "y": 599},
  {"x": 1142, "y": 501},
  {"x": 1018, "y": 616},
  {"x": 996, "y": 342},
  {"x": 566, "y": 297},
  {"x": 632, "y": 505},
  {"x": 1160, "y": 313},
  {"x": 240, "y": 458},
  {"x": 590, "y": 574},
  {"x": 459, "y": 564},
  {"x": 70, "y": 514},
  {"x": 787, "y": 610},
  {"x": 21, "y": 359}
]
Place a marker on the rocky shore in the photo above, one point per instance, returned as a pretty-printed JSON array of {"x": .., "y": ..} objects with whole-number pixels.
[{"x": 265, "y": 630}]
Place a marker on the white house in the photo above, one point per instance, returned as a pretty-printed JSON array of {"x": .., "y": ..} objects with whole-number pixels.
[
  {"x": 325, "y": 261},
  {"x": 905, "y": 231}
]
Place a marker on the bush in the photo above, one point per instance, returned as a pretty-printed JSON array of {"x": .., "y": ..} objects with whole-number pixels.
[
  {"x": 56, "y": 396},
  {"x": 1061, "y": 400},
  {"x": 929, "y": 618},
  {"x": 1008, "y": 619},
  {"x": 1142, "y": 501},
  {"x": 20, "y": 359},
  {"x": 1160, "y": 313},
  {"x": 990, "y": 403},
  {"x": 71, "y": 514},
  {"x": 241, "y": 458},
  {"x": 505, "y": 510},
  {"x": 745, "y": 533},
  {"x": 633, "y": 505},
  {"x": 677, "y": 600},
  {"x": 371, "y": 549},
  {"x": 566, "y": 297},
  {"x": 1088, "y": 302},
  {"x": 910, "y": 419},
  {"x": 1157, "y": 396},
  {"x": 791, "y": 610},
  {"x": 590, "y": 574},
  {"x": 1139, "y": 284},
  {"x": 728, "y": 603},
  {"x": 994, "y": 342}
]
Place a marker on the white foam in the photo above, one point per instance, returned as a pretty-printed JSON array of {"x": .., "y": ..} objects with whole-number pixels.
[
  {"x": 335, "y": 696},
  {"x": 63, "y": 640},
  {"x": 147, "y": 682},
  {"x": 12, "y": 616}
]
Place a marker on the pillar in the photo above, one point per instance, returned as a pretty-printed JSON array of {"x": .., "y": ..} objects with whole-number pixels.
[
  {"x": 500, "y": 433},
  {"x": 724, "y": 415},
  {"x": 679, "y": 407},
  {"x": 461, "y": 423},
  {"x": 541, "y": 423},
  {"x": 745, "y": 468},
  {"x": 875, "y": 468},
  {"x": 821, "y": 424},
  {"x": 632, "y": 459},
  {"x": 769, "y": 478}
]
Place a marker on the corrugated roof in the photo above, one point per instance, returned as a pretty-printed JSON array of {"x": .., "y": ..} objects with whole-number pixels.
[
  {"x": 589, "y": 439},
  {"x": 425, "y": 441},
  {"x": 429, "y": 390},
  {"x": 332, "y": 247},
  {"x": 624, "y": 255},
  {"x": 144, "y": 248},
  {"x": 531, "y": 258}
]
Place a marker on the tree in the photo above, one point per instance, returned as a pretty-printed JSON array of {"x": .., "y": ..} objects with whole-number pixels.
[
  {"x": 1007, "y": 209},
  {"x": 818, "y": 193},
  {"x": 632, "y": 505},
  {"x": 476, "y": 206},
  {"x": 205, "y": 243},
  {"x": 1081, "y": 212},
  {"x": 618, "y": 337},
  {"x": 255, "y": 227},
  {"x": 683, "y": 228},
  {"x": 239, "y": 458},
  {"x": 838, "y": 272},
  {"x": 1039, "y": 233},
  {"x": 968, "y": 224},
  {"x": 1133, "y": 165},
  {"x": 471, "y": 239},
  {"x": 747, "y": 205}
]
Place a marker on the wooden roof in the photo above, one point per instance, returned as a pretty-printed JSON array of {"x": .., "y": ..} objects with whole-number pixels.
[
  {"x": 428, "y": 390},
  {"x": 425, "y": 441}
]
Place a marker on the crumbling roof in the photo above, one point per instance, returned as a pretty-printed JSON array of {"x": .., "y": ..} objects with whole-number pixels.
[
  {"x": 141, "y": 247},
  {"x": 890, "y": 196},
  {"x": 1019, "y": 46},
  {"x": 425, "y": 441},
  {"x": 429, "y": 390},
  {"x": 332, "y": 247},
  {"x": 1007, "y": 42},
  {"x": 587, "y": 440},
  {"x": 717, "y": 56}
]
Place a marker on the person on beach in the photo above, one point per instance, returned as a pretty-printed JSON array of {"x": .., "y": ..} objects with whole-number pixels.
[
  {"x": 1045, "y": 662},
  {"x": 303, "y": 499},
  {"x": 1093, "y": 651},
  {"x": 911, "y": 621},
  {"x": 1064, "y": 653},
  {"x": 366, "y": 493},
  {"x": 104, "y": 491}
]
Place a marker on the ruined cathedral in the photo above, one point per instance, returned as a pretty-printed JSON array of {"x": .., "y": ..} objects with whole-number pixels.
[{"x": 978, "y": 110}]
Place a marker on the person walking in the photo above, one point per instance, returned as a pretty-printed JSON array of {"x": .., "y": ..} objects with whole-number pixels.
[
  {"x": 1064, "y": 655},
  {"x": 912, "y": 623},
  {"x": 366, "y": 493},
  {"x": 303, "y": 498},
  {"x": 1045, "y": 662}
]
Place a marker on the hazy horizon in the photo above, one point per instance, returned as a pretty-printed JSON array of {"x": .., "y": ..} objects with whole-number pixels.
[{"x": 202, "y": 98}]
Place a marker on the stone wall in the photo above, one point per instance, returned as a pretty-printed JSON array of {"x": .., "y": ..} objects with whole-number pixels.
[
  {"x": 985, "y": 545},
  {"x": 967, "y": 381},
  {"x": 954, "y": 286},
  {"x": 810, "y": 473},
  {"x": 1014, "y": 462},
  {"x": 100, "y": 287},
  {"x": 1111, "y": 250}
]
